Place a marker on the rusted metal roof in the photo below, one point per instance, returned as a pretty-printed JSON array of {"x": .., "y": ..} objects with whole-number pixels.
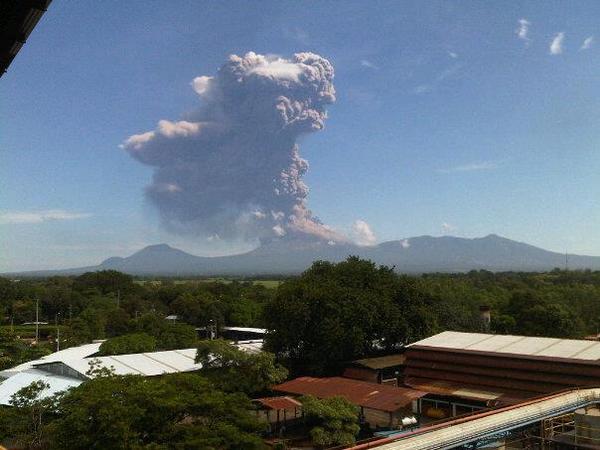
[
  {"x": 278, "y": 402},
  {"x": 369, "y": 395},
  {"x": 381, "y": 362},
  {"x": 17, "y": 20}
]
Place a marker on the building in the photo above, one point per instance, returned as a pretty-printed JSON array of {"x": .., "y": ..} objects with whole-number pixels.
[
  {"x": 387, "y": 369},
  {"x": 70, "y": 367},
  {"x": 278, "y": 411},
  {"x": 381, "y": 406},
  {"x": 500, "y": 369}
]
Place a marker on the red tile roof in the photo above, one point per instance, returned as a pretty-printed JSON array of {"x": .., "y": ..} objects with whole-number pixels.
[
  {"x": 361, "y": 393},
  {"x": 279, "y": 402}
]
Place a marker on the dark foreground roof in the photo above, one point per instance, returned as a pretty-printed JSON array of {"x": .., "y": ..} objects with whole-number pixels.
[
  {"x": 17, "y": 20},
  {"x": 278, "y": 402},
  {"x": 381, "y": 362},
  {"x": 369, "y": 395}
]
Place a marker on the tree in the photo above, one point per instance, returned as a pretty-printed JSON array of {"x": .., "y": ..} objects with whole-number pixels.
[
  {"x": 537, "y": 316},
  {"x": 105, "y": 281},
  {"x": 177, "y": 335},
  {"x": 333, "y": 421},
  {"x": 334, "y": 313},
  {"x": 132, "y": 412},
  {"x": 128, "y": 343},
  {"x": 14, "y": 351},
  {"x": 236, "y": 370},
  {"x": 27, "y": 418}
]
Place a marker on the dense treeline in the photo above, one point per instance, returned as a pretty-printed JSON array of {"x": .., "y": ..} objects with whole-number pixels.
[{"x": 106, "y": 304}]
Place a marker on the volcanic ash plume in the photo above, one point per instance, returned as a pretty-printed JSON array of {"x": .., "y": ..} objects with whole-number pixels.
[{"x": 233, "y": 170}]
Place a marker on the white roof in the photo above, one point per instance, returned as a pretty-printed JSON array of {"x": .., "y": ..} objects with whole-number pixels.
[
  {"x": 82, "y": 351},
  {"x": 26, "y": 377},
  {"x": 147, "y": 364},
  {"x": 516, "y": 345},
  {"x": 254, "y": 346},
  {"x": 246, "y": 329}
]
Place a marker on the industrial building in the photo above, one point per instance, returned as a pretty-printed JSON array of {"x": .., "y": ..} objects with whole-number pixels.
[
  {"x": 69, "y": 368},
  {"x": 500, "y": 369}
]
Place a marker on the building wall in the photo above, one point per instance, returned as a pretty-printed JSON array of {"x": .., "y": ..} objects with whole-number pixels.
[
  {"x": 527, "y": 375},
  {"x": 364, "y": 374}
]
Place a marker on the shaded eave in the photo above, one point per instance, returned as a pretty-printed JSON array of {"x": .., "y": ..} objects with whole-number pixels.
[{"x": 18, "y": 18}]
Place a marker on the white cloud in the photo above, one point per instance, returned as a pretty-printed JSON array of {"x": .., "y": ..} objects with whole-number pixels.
[
  {"x": 369, "y": 64},
  {"x": 448, "y": 228},
  {"x": 405, "y": 243},
  {"x": 276, "y": 68},
  {"x": 20, "y": 217},
  {"x": 523, "y": 30},
  {"x": 587, "y": 43},
  {"x": 278, "y": 230},
  {"x": 484, "y": 165},
  {"x": 363, "y": 234},
  {"x": 556, "y": 46},
  {"x": 453, "y": 55},
  {"x": 165, "y": 128},
  {"x": 202, "y": 85}
]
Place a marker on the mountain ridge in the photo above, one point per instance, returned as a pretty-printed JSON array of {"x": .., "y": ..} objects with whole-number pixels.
[{"x": 418, "y": 254}]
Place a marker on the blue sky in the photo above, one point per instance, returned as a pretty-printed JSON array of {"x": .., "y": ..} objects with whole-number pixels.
[{"x": 447, "y": 120}]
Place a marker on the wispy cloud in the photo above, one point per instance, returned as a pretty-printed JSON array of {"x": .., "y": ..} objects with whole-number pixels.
[
  {"x": 453, "y": 55},
  {"x": 523, "y": 30},
  {"x": 19, "y": 217},
  {"x": 556, "y": 45},
  {"x": 443, "y": 75},
  {"x": 369, "y": 64},
  {"x": 483, "y": 165},
  {"x": 587, "y": 43},
  {"x": 297, "y": 34}
]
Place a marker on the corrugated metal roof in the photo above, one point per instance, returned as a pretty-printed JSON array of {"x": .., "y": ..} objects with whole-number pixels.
[
  {"x": 381, "y": 362},
  {"x": 68, "y": 354},
  {"x": 514, "y": 345},
  {"x": 147, "y": 364},
  {"x": 369, "y": 395},
  {"x": 279, "y": 402},
  {"x": 13, "y": 384}
]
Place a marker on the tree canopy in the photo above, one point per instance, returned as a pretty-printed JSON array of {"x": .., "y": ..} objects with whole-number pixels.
[
  {"x": 233, "y": 369},
  {"x": 332, "y": 421},
  {"x": 128, "y": 343},
  {"x": 132, "y": 412},
  {"x": 339, "y": 312}
]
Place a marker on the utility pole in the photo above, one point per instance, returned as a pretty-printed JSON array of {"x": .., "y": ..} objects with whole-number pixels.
[
  {"x": 57, "y": 332},
  {"x": 37, "y": 320}
]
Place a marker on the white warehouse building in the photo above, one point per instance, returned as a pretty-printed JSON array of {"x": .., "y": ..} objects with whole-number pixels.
[{"x": 69, "y": 368}]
